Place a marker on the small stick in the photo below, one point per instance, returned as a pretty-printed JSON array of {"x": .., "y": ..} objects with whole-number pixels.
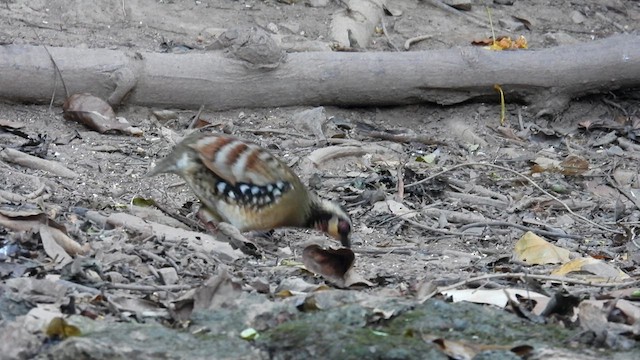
[
  {"x": 33, "y": 162},
  {"x": 407, "y": 44},
  {"x": 440, "y": 5},
  {"x": 386, "y": 35},
  {"x": 403, "y": 138},
  {"x": 524, "y": 177},
  {"x": 560, "y": 279},
  {"x": 149, "y": 288},
  {"x": 521, "y": 227},
  {"x": 195, "y": 118}
]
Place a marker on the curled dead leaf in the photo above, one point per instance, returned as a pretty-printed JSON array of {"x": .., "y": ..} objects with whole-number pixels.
[
  {"x": 96, "y": 114},
  {"x": 334, "y": 265}
]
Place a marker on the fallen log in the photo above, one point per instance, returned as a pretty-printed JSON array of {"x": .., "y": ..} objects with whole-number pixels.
[{"x": 545, "y": 79}]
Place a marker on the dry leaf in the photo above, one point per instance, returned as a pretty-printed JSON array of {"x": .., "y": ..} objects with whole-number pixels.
[
  {"x": 461, "y": 350},
  {"x": 574, "y": 165},
  {"x": 96, "y": 114},
  {"x": 395, "y": 208},
  {"x": 334, "y": 265},
  {"x": 55, "y": 240},
  {"x": 53, "y": 249},
  {"x": 502, "y": 43},
  {"x": 59, "y": 328},
  {"x": 216, "y": 292},
  {"x": 497, "y": 297},
  {"x": 602, "y": 271},
  {"x": 535, "y": 250}
]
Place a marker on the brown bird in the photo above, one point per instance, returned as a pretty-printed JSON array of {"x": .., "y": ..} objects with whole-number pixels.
[{"x": 243, "y": 184}]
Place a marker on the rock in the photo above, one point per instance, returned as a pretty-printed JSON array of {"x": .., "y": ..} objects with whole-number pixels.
[
  {"x": 317, "y": 3},
  {"x": 559, "y": 38},
  {"x": 511, "y": 24},
  {"x": 168, "y": 275},
  {"x": 464, "y": 5},
  {"x": 577, "y": 17}
]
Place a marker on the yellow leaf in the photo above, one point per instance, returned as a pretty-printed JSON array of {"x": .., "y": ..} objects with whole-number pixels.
[
  {"x": 535, "y": 250},
  {"x": 249, "y": 334},
  {"x": 58, "y": 327},
  {"x": 599, "y": 270}
]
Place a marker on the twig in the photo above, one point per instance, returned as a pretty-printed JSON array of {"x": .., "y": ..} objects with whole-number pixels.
[
  {"x": 432, "y": 229},
  {"x": 150, "y": 288},
  {"x": 55, "y": 65},
  {"x": 78, "y": 287},
  {"x": 33, "y": 162},
  {"x": 407, "y": 44},
  {"x": 476, "y": 199},
  {"x": 195, "y": 118},
  {"x": 521, "y": 227},
  {"x": 560, "y": 279},
  {"x": 524, "y": 177},
  {"x": 453, "y": 216},
  {"x": 624, "y": 192},
  {"x": 440, "y": 5},
  {"x": 468, "y": 187},
  {"x": 383, "y": 251},
  {"x": 274, "y": 131},
  {"x": 520, "y": 121},
  {"x": 603, "y": 17},
  {"x": 386, "y": 35},
  {"x": 402, "y": 138},
  {"x": 153, "y": 256},
  {"x": 400, "y": 183},
  {"x": 615, "y": 105}
]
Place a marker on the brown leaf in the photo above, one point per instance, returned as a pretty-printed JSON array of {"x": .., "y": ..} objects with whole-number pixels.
[
  {"x": 216, "y": 292},
  {"x": 96, "y": 114},
  {"x": 335, "y": 265},
  {"x": 456, "y": 349},
  {"x": 332, "y": 264},
  {"x": 574, "y": 165}
]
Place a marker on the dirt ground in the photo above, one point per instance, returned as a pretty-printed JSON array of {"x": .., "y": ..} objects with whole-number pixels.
[{"x": 405, "y": 246}]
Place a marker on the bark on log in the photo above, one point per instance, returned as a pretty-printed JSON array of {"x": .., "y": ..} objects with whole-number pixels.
[{"x": 546, "y": 79}]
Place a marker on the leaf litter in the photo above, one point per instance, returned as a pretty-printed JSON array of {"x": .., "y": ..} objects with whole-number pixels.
[{"x": 415, "y": 242}]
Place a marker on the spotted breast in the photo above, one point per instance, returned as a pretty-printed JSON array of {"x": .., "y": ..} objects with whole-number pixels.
[{"x": 245, "y": 185}]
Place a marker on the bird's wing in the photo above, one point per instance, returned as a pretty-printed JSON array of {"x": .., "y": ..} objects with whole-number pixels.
[{"x": 237, "y": 161}]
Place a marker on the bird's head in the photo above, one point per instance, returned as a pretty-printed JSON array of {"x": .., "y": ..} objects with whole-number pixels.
[{"x": 331, "y": 218}]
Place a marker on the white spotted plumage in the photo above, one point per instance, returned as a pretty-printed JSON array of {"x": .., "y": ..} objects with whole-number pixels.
[{"x": 245, "y": 185}]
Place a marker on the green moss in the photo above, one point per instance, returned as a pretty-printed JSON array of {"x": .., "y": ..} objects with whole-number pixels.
[{"x": 477, "y": 323}]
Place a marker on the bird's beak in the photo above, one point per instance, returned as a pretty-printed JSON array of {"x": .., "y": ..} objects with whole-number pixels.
[{"x": 344, "y": 239}]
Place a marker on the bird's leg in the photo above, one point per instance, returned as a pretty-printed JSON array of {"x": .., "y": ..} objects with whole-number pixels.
[{"x": 208, "y": 219}]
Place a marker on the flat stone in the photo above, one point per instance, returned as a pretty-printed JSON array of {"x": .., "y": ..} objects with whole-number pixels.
[
  {"x": 577, "y": 17},
  {"x": 168, "y": 275},
  {"x": 511, "y": 24},
  {"x": 464, "y": 5},
  {"x": 317, "y": 3}
]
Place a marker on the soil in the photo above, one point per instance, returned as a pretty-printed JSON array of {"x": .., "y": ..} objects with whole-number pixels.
[{"x": 398, "y": 257}]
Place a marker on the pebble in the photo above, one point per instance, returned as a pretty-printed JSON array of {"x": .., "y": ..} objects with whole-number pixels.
[
  {"x": 317, "y": 3},
  {"x": 577, "y": 17},
  {"x": 511, "y": 24},
  {"x": 169, "y": 275}
]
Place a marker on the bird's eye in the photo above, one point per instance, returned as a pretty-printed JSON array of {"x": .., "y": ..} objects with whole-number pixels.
[{"x": 344, "y": 228}]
